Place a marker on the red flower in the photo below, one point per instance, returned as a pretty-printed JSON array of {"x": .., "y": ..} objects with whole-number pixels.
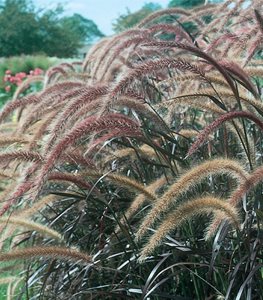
[
  {"x": 37, "y": 71},
  {"x": 12, "y": 79},
  {"x": 7, "y": 78},
  {"x": 8, "y": 88},
  {"x": 21, "y": 75}
]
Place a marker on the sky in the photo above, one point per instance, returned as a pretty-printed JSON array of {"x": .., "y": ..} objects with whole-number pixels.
[{"x": 102, "y": 12}]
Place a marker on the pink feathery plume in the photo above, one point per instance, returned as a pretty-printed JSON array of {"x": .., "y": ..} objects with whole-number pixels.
[{"x": 219, "y": 121}]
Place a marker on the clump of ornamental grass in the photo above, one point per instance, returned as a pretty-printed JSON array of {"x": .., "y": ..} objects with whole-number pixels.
[
  {"x": 137, "y": 173},
  {"x": 187, "y": 211},
  {"x": 188, "y": 181}
]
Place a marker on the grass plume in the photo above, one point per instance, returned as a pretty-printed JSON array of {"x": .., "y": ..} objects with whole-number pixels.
[
  {"x": 123, "y": 181},
  {"x": 44, "y": 230},
  {"x": 89, "y": 125},
  {"x": 187, "y": 181},
  {"x": 187, "y": 211},
  {"x": 219, "y": 121},
  {"x": 54, "y": 252}
]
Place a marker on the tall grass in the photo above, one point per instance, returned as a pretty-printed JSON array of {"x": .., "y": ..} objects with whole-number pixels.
[{"x": 137, "y": 172}]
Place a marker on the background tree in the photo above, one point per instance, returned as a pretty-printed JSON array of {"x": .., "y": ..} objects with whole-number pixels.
[
  {"x": 185, "y": 3},
  {"x": 26, "y": 30},
  {"x": 188, "y": 4},
  {"x": 18, "y": 28},
  {"x": 62, "y": 37},
  {"x": 129, "y": 19}
]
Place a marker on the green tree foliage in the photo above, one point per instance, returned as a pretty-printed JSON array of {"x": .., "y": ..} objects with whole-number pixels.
[
  {"x": 18, "y": 28},
  {"x": 129, "y": 19},
  {"x": 185, "y": 3},
  {"x": 25, "y": 30},
  {"x": 188, "y": 4}
]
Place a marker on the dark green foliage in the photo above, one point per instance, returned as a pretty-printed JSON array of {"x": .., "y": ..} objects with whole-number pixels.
[
  {"x": 130, "y": 19},
  {"x": 18, "y": 28},
  {"x": 26, "y": 30},
  {"x": 185, "y": 3}
]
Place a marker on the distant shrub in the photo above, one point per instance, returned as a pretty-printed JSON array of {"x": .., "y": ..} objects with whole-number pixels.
[{"x": 14, "y": 70}]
